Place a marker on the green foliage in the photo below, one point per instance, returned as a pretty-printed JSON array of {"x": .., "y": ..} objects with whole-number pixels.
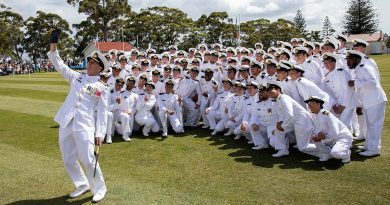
[
  {"x": 11, "y": 34},
  {"x": 360, "y": 17},
  {"x": 300, "y": 23},
  {"x": 38, "y": 29},
  {"x": 327, "y": 29},
  {"x": 315, "y": 36}
]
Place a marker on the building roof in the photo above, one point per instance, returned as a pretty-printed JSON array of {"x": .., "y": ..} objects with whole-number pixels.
[
  {"x": 367, "y": 37},
  {"x": 106, "y": 46}
]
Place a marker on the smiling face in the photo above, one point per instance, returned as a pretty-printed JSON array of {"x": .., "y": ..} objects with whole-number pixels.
[
  {"x": 314, "y": 106},
  {"x": 93, "y": 68},
  {"x": 294, "y": 74}
]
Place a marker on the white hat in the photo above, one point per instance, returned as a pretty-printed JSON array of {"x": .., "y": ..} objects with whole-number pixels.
[
  {"x": 259, "y": 44},
  {"x": 287, "y": 63},
  {"x": 275, "y": 82},
  {"x": 271, "y": 61},
  {"x": 272, "y": 49},
  {"x": 309, "y": 44},
  {"x": 150, "y": 50},
  {"x": 255, "y": 62},
  {"x": 113, "y": 51},
  {"x": 285, "y": 51},
  {"x": 354, "y": 52},
  {"x": 339, "y": 35},
  {"x": 217, "y": 45},
  {"x": 231, "y": 49},
  {"x": 330, "y": 55},
  {"x": 100, "y": 59},
  {"x": 360, "y": 42},
  {"x": 331, "y": 41},
  {"x": 172, "y": 47},
  {"x": 301, "y": 48},
  {"x": 287, "y": 45}
]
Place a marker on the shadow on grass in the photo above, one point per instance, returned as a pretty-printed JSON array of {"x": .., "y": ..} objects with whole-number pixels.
[
  {"x": 57, "y": 200},
  {"x": 243, "y": 153}
]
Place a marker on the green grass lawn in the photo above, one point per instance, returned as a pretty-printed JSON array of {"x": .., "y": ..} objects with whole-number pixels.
[{"x": 192, "y": 168}]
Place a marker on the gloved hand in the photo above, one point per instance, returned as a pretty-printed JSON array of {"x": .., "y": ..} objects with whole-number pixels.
[{"x": 55, "y": 34}]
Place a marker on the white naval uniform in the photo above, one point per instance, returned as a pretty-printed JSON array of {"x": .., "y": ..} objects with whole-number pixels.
[
  {"x": 82, "y": 117},
  {"x": 264, "y": 115},
  {"x": 204, "y": 102},
  {"x": 127, "y": 111},
  {"x": 234, "y": 110},
  {"x": 312, "y": 71},
  {"x": 373, "y": 99},
  {"x": 217, "y": 116},
  {"x": 295, "y": 118},
  {"x": 170, "y": 102},
  {"x": 125, "y": 72},
  {"x": 336, "y": 84},
  {"x": 113, "y": 112},
  {"x": 338, "y": 138},
  {"x": 144, "y": 116},
  {"x": 246, "y": 109},
  {"x": 186, "y": 89},
  {"x": 307, "y": 88}
]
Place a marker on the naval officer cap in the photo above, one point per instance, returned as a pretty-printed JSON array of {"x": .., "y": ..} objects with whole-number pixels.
[
  {"x": 227, "y": 80},
  {"x": 271, "y": 62},
  {"x": 244, "y": 68},
  {"x": 104, "y": 74},
  {"x": 100, "y": 59},
  {"x": 131, "y": 78},
  {"x": 309, "y": 45},
  {"x": 256, "y": 63},
  {"x": 170, "y": 82},
  {"x": 301, "y": 49},
  {"x": 259, "y": 44},
  {"x": 354, "y": 53},
  {"x": 195, "y": 69},
  {"x": 240, "y": 85},
  {"x": 208, "y": 70},
  {"x": 123, "y": 57},
  {"x": 298, "y": 68},
  {"x": 282, "y": 67},
  {"x": 360, "y": 42},
  {"x": 116, "y": 66},
  {"x": 119, "y": 81},
  {"x": 315, "y": 99},
  {"x": 156, "y": 72},
  {"x": 342, "y": 37},
  {"x": 274, "y": 84},
  {"x": 329, "y": 57},
  {"x": 172, "y": 47},
  {"x": 145, "y": 62},
  {"x": 252, "y": 83},
  {"x": 113, "y": 51},
  {"x": 287, "y": 63},
  {"x": 330, "y": 41},
  {"x": 150, "y": 83}
]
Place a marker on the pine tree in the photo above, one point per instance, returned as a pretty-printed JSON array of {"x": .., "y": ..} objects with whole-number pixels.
[
  {"x": 300, "y": 23},
  {"x": 360, "y": 17},
  {"x": 327, "y": 29}
]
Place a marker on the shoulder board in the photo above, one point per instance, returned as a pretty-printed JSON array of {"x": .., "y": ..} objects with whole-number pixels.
[
  {"x": 258, "y": 101},
  {"x": 299, "y": 79},
  {"x": 315, "y": 56},
  {"x": 161, "y": 93},
  {"x": 112, "y": 91},
  {"x": 286, "y": 79},
  {"x": 161, "y": 81},
  {"x": 361, "y": 65},
  {"x": 325, "y": 112},
  {"x": 252, "y": 76},
  {"x": 202, "y": 77},
  {"x": 105, "y": 84},
  {"x": 239, "y": 80},
  {"x": 196, "y": 80},
  {"x": 220, "y": 93},
  {"x": 122, "y": 91},
  {"x": 214, "y": 82},
  {"x": 366, "y": 57},
  {"x": 245, "y": 98},
  {"x": 262, "y": 76},
  {"x": 309, "y": 61},
  {"x": 148, "y": 71},
  {"x": 339, "y": 69},
  {"x": 141, "y": 94},
  {"x": 187, "y": 77},
  {"x": 249, "y": 104}
]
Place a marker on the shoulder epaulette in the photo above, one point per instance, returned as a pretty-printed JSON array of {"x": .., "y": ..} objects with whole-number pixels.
[
  {"x": 252, "y": 76},
  {"x": 258, "y": 101},
  {"x": 339, "y": 69},
  {"x": 187, "y": 77},
  {"x": 142, "y": 94},
  {"x": 309, "y": 61},
  {"x": 361, "y": 65},
  {"x": 299, "y": 79},
  {"x": 112, "y": 91},
  {"x": 161, "y": 81},
  {"x": 214, "y": 82},
  {"x": 325, "y": 112},
  {"x": 249, "y": 104},
  {"x": 122, "y": 91},
  {"x": 202, "y": 76},
  {"x": 196, "y": 80},
  {"x": 161, "y": 93}
]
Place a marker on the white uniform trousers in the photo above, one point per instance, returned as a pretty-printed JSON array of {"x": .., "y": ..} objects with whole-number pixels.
[
  {"x": 246, "y": 133},
  {"x": 375, "y": 117},
  {"x": 78, "y": 146},
  {"x": 232, "y": 125},
  {"x": 341, "y": 149},
  {"x": 204, "y": 103},
  {"x": 112, "y": 117},
  {"x": 173, "y": 120},
  {"x": 148, "y": 122},
  {"x": 346, "y": 117},
  {"x": 214, "y": 117},
  {"x": 127, "y": 123},
  {"x": 260, "y": 137},
  {"x": 190, "y": 114}
]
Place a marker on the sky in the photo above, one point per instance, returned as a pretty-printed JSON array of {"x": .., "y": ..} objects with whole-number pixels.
[{"x": 314, "y": 11}]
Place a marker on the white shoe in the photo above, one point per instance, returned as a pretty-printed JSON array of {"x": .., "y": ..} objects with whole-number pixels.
[
  {"x": 126, "y": 138},
  {"x": 359, "y": 138},
  {"x": 109, "y": 139},
  {"x": 295, "y": 146},
  {"x": 346, "y": 160},
  {"x": 145, "y": 133},
  {"x": 368, "y": 153},
  {"x": 281, "y": 153},
  {"x": 79, "y": 191},
  {"x": 323, "y": 157},
  {"x": 237, "y": 137},
  {"x": 98, "y": 196},
  {"x": 259, "y": 147},
  {"x": 250, "y": 142},
  {"x": 164, "y": 134},
  {"x": 205, "y": 126},
  {"x": 214, "y": 133},
  {"x": 228, "y": 133}
]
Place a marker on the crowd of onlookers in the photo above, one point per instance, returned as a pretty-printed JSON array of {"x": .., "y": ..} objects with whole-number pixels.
[{"x": 11, "y": 66}]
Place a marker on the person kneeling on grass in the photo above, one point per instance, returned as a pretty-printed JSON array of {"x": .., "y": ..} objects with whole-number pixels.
[{"x": 332, "y": 137}]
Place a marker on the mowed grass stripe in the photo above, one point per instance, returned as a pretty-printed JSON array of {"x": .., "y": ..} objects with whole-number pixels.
[
  {"x": 30, "y": 106},
  {"x": 33, "y": 94},
  {"x": 35, "y": 81},
  {"x": 52, "y": 88}
]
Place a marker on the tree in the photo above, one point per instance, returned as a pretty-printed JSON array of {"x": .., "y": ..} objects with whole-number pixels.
[
  {"x": 160, "y": 26},
  {"x": 38, "y": 29},
  {"x": 327, "y": 29},
  {"x": 251, "y": 31},
  {"x": 300, "y": 23},
  {"x": 280, "y": 30},
  {"x": 101, "y": 15},
  {"x": 315, "y": 36},
  {"x": 361, "y": 17},
  {"x": 11, "y": 34}
]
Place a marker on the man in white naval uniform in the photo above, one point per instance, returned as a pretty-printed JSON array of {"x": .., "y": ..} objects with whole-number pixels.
[
  {"x": 207, "y": 91},
  {"x": 145, "y": 104},
  {"x": 127, "y": 108},
  {"x": 114, "y": 100},
  {"x": 291, "y": 117},
  {"x": 234, "y": 108},
  {"x": 336, "y": 84},
  {"x": 263, "y": 122},
  {"x": 373, "y": 99},
  {"x": 331, "y": 136},
  {"x": 82, "y": 120},
  {"x": 217, "y": 113},
  {"x": 311, "y": 68},
  {"x": 170, "y": 109}
]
